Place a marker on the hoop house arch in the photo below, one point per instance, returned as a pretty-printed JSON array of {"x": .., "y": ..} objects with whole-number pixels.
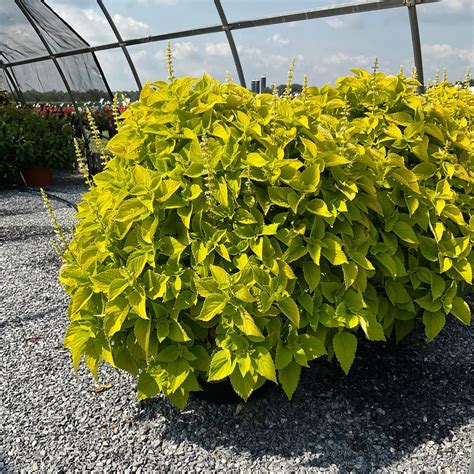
[{"x": 46, "y": 46}]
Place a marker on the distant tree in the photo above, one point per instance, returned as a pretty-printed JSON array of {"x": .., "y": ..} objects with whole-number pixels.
[
  {"x": 57, "y": 97},
  {"x": 132, "y": 95},
  {"x": 295, "y": 89}
]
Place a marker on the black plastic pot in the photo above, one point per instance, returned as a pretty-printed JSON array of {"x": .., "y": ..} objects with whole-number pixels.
[{"x": 222, "y": 393}]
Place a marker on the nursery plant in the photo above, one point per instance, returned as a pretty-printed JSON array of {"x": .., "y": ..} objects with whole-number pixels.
[
  {"x": 27, "y": 138},
  {"x": 239, "y": 236},
  {"x": 4, "y": 99}
]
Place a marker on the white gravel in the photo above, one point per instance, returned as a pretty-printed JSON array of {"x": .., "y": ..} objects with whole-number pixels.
[{"x": 402, "y": 408}]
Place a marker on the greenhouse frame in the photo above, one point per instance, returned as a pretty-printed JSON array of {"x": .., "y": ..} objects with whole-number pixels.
[{"x": 43, "y": 50}]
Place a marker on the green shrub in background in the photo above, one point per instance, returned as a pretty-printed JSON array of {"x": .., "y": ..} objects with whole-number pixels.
[
  {"x": 4, "y": 99},
  {"x": 27, "y": 138},
  {"x": 240, "y": 236}
]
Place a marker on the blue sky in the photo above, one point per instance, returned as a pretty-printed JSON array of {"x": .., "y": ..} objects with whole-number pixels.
[{"x": 324, "y": 48}]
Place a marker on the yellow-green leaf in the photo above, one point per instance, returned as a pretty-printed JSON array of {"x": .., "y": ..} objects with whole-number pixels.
[
  {"x": 289, "y": 377},
  {"x": 213, "y": 305},
  {"x": 221, "y": 365},
  {"x": 265, "y": 365},
  {"x": 333, "y": 251},
  {"x": 137, "y": 300},
  {"x": 318, "y": 207},
  {"x": 142, "y": 331},
  {"x": 312, "y": 274},
  {"x": 350, "y": 273},
  {"x": 438, "y": 286},
  {"x": 434, "y": 322},
  {"x": 463, "y": 267},
  {"x": 345, "y": 346},
  {"x": 405, "y": 232},
  {"x": 256, "y": 159},
  {"x": 247, "y": 324},
  {"x": 331, "y": 159},
  {"x": 290, "y": 309},
  {"x": 461, "y": 310}
]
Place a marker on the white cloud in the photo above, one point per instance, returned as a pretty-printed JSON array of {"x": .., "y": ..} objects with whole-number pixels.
[
  {"x": 156, "y": 2},
  {"x": 449, "y": 12},
  {"x": 217, "y": 49},
  {"x": 262, "y": 58},
  {"x": 443, "y": 51},
  {"x": 341, "y": 58},
  {"x": 318, "y": 69},
  {"x": 278, "y": 39},
  {"x": 129, "y": 27},
  {"x": 181, "y": 50},
  {"x": 94, "y": 27},
  {"x": 458, "y": 6},
  {"x": 249, "y": 51},
  {"x": 184, "y": 49},
  {"x": 275, "y": 60},
  {"x": 138, "y": 55},
  {"x": 335, "y": 23}
]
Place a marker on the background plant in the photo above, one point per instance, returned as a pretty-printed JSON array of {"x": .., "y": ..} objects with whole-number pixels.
[
  {"x": 27, "y": 138},
  {"x": 4, "y": 99},
  {"x": 241, "y": 236}
]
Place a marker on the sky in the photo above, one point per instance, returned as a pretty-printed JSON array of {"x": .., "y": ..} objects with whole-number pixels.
[{"x": 324, "y": 49}]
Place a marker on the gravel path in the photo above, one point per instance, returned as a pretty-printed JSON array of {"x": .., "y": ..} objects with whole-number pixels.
[{"x": 402, "y": 408}]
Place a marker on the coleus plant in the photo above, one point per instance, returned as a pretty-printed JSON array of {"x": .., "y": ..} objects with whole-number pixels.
[{"x": 240, "y": 236}]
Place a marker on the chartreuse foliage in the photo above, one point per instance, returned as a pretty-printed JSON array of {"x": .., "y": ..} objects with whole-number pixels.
[{"x": 240, "y": 236}]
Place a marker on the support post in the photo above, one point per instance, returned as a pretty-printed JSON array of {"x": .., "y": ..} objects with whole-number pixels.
[
  {"x": 415, "y": 39},
  {"x": 230, "y": 39},
  {"x": 15, "y": 86},
  {"x": 15, "y": 89},
  {"x": 121, "y": 43}
]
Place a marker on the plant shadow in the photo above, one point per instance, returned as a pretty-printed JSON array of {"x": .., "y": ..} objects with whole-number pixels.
[
  {"x": 395, "y": 398},
  {"x": 20, "y": 320}
]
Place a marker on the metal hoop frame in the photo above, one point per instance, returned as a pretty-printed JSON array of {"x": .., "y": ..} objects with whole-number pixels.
[{"x": 224, "y": 27}]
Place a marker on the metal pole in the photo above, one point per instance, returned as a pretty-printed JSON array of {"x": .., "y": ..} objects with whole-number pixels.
[
  {"x": 231, "y": 42},
  {"x": 121, "y": 43},
  {"x": 15, "y": 86},
  {"x": 74, "y": 32},
  {"x": 14, "y": 83},
  {"x": 415, "y": 39},
  {"x": 15, "y": 89}
]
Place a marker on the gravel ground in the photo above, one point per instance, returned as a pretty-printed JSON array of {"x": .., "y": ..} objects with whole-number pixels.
[{"x": 402, "y": 408}]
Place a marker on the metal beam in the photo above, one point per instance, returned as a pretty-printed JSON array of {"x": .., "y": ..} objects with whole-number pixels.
[
  {"x": 14, "y": 83},
  {"x": 337, "y": 10},
  {"x": 7, "y": 85},
  {"x": 272, "y": 20},
  {"x": 11, "y": 80},
  {"x": 121, "y": 43},
  {"x": 230, "y": 40},
  {"x": 74, "y": 32},
  {"x": 415, "y": 39}
]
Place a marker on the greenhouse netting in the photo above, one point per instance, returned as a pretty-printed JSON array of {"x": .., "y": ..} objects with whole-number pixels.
[{"x": 32, "y": 30}]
